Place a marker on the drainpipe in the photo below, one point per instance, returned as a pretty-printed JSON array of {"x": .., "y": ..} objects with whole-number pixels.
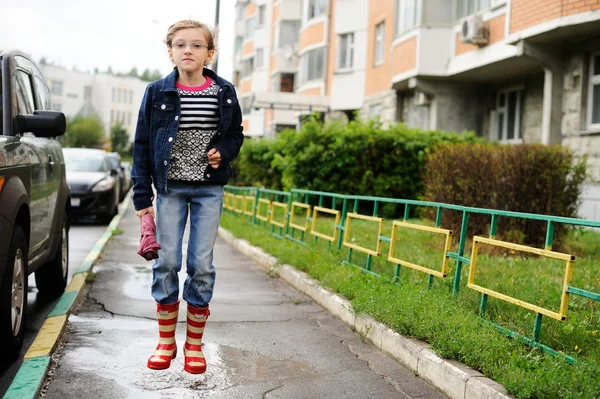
[{"x": 553, "y": 88}]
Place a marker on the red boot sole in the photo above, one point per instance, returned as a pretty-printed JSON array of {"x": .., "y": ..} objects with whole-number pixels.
[
  {"x": 194, "y": 370},
  {"x": 161, "y": 365}
]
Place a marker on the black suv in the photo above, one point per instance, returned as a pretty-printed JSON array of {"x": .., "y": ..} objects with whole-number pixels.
[{"x": 34, "y": 195}]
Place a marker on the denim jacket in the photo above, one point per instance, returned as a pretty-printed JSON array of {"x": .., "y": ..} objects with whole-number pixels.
[{"x": 157, "y": 128}]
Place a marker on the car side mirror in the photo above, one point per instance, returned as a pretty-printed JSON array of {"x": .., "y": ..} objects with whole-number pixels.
[
  {"x": 42, "y": 123},
  {"x": 114, "y": 172}
]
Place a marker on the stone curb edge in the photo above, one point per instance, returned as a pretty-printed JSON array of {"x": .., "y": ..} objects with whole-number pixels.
[
  {"x": 452, "y": 377},
  {"x": 30, "y": 377}
]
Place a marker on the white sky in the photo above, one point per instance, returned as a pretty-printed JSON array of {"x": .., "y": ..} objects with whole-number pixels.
[{"x": 119, "y": 33}]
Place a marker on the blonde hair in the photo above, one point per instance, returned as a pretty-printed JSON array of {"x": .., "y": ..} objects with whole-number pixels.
[{"x": 211, "y": 34}]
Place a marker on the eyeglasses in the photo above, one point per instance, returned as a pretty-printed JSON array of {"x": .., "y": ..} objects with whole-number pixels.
[{"x": 194, "y": 46}]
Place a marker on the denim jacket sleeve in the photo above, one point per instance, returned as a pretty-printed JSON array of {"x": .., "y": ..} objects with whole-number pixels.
[
  {"x": 229, "y": 147},
  {"x": 141, "y": 173}
]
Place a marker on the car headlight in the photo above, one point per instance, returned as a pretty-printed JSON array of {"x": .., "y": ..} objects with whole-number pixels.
[{"x": 103, "y": 185}]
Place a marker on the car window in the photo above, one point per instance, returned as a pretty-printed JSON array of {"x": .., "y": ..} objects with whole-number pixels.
[
  {"x": 114, "y": 162},
  {"x": 84, "y": 162},
  {"x": 42, "y": 94},
  {"x": 22, "y": 85}
]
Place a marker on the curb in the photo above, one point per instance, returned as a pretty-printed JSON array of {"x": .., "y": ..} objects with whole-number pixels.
[
  {"x": 29, "y": 379},
  {"x": 450, "y": 376}
]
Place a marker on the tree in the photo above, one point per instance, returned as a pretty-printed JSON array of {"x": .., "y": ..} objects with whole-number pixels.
[
  {"x": 43, "y": 61},
  {"x": 109, "y": 71},
  {"x": 146, "y": 75},
  {"x": 119, "y": 138},
  {"x": 85, "y": 132},
  {"x": 133, "y": 72}
]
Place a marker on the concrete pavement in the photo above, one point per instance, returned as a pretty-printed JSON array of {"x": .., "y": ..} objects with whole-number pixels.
[{"x": 262, "y": 340}]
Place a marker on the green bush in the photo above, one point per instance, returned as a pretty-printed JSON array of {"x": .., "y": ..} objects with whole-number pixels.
[
  {"x": 354, "y": 158},
  {"x": 530, "y": 178}
]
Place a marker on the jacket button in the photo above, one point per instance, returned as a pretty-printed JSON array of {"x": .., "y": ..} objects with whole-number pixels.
[
  {"x": 170, "y": 139},
  {"x": 165, "y": 163},
  {"x": 163, "y": 106},
  {"x": 229, "y": 101},
  {"x": 177, "y": 118},
  {"x": 208, "y": 175}
]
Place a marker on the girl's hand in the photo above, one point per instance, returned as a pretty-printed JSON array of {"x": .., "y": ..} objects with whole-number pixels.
[
  {"x": 214, "y": 158},
  {"x": 142, "y": 212}
]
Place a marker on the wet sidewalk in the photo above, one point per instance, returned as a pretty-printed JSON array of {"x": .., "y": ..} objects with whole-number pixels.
[{"x": 262, "y": 340}]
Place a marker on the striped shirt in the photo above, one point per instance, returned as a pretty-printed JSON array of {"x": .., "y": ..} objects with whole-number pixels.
[{"x": 198, "y": 123}]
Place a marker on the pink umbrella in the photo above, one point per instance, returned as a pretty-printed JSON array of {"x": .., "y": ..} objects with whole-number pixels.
[{"x": 148, "y": 246}]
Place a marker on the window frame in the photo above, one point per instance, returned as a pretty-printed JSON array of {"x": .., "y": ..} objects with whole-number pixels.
[
  {"x": 349, "y": 56},
  {"x": 319, "y": 7},
  {"x": 262, "y": 14},
  {"x": 379, "y": 41},
  {"x": 60, "y": 84},
  {"x": 502, "y": 136},
  {"x": 593, "y": 80},
  {"x": 259, "y": 58},
  {"x": 479, "y": 6},
  {"x": 306, "y": 63},
  {"x": 400, "y": 11}
]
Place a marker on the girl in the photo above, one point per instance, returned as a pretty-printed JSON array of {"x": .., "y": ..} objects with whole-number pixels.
[{"x": 188, "y": 131}]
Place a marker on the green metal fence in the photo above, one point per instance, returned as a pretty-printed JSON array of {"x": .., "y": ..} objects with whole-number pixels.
[{"x": 294, "y": 215}]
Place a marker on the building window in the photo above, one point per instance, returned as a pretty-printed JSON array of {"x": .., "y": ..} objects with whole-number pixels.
[
  {"x": 262, "y": 15},
  {"x": 87, "y": 92},
  {"x": 317, "y": 8},
  {"x": 247, "y": 67},
  {"x": 286, "y": 34},
  {"x": 508, "y": 115},
  {"x": 260, "y": 58},
  {"x": 379, "y": 43},
  {"x": 239, "y": 11},
  {"x": 130, "y": 96},
  {"x": 375, "y": 110},
  {"x": 312, "y": 65},
  {"x": 114, "y": 94},
  {"x": 468, "y": 7},
  {"x": 237, "y": 46},
  {"x": 250, "y": 27},
  {"x": 56, "y": 107},
  {"x": 406, "y": 15},
  {"x": 345, "y": 51},
  {"x": 112, "y": 116},
  {"x": 594, "y": 90},
  {"x": 57, "y": 88}
]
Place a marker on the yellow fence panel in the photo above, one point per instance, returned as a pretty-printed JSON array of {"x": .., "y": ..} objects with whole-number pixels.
[
  {"x": 564, "y": 300},
  {"x": 249, "y": 201},
  {"x": 275, "y": 205},
  {"x": 259, "y": 215},
  {"x": 348, "y": 244},
  {"x": 227, "y": 201},
  {"x": 313, "y": 230},
  {"x": 238, "y": 204},
  {"x": 448, "y": 233},
  {"x": 297, "y": 226}
]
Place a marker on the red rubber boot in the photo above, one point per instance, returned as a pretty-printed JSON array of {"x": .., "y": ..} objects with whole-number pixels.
[
  {"x": 166, "y": 350},
  {"x": 194, "y": 358}
]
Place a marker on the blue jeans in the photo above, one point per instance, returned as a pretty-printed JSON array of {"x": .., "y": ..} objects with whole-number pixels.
[{"x": 205, "y": 206}]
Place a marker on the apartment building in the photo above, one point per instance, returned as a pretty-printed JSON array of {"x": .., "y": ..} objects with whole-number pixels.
[
  {"x": 112, "y": 98},
  {"x": 516, "y": 71}
]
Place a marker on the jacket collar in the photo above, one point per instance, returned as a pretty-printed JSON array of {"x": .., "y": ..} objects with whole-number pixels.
[{"x": 168, "y": 83}]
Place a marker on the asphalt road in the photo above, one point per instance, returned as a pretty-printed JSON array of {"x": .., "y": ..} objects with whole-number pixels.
[{"x": 82, "y": 237}]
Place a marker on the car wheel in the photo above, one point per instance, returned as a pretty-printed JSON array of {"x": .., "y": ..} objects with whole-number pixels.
[
  {"x": 51, "y": 278},
  {"x": 13, "y": 296}
]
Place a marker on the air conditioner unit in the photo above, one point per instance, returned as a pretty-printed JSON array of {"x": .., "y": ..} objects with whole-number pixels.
[{"x": 473, "y": 31}]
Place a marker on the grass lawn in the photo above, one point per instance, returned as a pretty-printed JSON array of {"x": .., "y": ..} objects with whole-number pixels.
[{"x": 451, "y": 323}]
